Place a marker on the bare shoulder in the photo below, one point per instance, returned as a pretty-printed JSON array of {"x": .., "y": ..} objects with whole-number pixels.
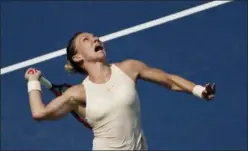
[
  {"x": 132, "y": 64},
  {"x": 77, "y": 92},
  {"x": 131, "y": 67}
]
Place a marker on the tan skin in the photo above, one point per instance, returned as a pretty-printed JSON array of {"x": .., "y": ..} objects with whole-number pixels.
[{"x": 99, "y": 71}]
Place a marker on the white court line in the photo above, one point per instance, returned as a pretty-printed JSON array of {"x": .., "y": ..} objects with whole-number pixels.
[{"x": 118, "y": 34}]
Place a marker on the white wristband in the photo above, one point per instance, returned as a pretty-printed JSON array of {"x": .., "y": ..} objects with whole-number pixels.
[
  {"x": 197, "y": 90},
  {"x": 34, "y": 85}
]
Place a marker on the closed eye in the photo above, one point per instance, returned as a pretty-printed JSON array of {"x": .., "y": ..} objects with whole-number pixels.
[{"x": 85, "y": 39}]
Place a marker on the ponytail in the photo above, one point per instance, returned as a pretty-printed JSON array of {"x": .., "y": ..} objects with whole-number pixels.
[{"x": 69, "y": 68}]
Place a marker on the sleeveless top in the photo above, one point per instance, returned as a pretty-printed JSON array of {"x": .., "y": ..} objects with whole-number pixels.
[{"x": 113, "y": 111}]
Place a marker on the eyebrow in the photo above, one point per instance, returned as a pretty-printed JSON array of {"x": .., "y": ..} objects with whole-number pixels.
[
  {"x": 83, "y": 37},
  {"x": 86, "y": 36}
]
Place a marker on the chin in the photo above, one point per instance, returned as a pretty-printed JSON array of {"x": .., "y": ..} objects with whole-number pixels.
[
  {"x": 102, "y": 53},
  {"x": 101, "y": 58}
]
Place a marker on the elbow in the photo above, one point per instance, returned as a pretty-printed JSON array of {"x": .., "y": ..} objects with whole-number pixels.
[
  {"x": 38, "y": 116},
  {"x": 42, "y": 117}
]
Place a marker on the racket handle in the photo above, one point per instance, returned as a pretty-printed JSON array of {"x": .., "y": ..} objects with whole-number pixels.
[{"x": 46, "y": 83}]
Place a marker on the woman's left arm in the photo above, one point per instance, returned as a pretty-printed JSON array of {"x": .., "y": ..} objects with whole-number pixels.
[{"x": 172, "y": 81}]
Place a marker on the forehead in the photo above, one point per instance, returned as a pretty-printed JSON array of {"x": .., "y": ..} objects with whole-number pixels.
[
  {"x": 84, "y": 35},
  {"x": 81, "y": 36}
]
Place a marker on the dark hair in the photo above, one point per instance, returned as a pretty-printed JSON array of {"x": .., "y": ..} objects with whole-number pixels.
[{"x": 72, "y": 66}]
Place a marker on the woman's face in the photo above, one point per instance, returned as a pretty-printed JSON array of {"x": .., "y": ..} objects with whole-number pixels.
[{"x": 89, "y": 48}]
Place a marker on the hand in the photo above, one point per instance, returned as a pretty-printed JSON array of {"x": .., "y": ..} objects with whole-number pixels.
[
  {"x": 209, "y": 92},
  {"x": 32, "y": 74}
]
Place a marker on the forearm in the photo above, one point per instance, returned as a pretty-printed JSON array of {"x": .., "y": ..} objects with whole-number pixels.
[
  {"x": 180, "y": 84},
  {"x": 36, "y": 104},
  {"x": 171, "y": 81},
  {"x": 40, "y": 111}
]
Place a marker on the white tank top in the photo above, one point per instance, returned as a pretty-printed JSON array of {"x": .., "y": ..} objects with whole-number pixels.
[{"x": 113, "y": 111}]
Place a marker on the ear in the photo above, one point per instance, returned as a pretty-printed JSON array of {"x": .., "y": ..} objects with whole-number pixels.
[{"x": 77, "y": 58}]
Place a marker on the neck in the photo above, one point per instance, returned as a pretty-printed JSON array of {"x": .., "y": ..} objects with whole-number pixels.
[{"x": 98, "y": 72}]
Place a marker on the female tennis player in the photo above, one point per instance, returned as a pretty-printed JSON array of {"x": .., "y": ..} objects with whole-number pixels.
[{"x": 107, "y": 97}]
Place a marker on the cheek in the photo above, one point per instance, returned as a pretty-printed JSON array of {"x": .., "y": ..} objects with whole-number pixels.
[
  {"x": 86, "y": 46},
  {"x": 88, "y": 54}
]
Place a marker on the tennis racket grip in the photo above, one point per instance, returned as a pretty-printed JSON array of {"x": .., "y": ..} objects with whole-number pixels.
[{"x": 46, "y": 83}]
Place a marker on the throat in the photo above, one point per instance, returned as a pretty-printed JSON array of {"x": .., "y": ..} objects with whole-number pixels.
[{"x": 101, "y": 75}]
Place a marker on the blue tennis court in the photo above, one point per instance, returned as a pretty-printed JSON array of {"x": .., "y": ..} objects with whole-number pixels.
[{"x": 209, "y": 46}]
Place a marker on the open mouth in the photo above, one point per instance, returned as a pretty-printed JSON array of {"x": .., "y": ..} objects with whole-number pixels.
[{"x": 98, "y": 48}]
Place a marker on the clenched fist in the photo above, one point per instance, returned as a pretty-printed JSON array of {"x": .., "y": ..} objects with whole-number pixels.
[
  {"x": 209, "y": 92},
  {"x": 32, "y": 74}
]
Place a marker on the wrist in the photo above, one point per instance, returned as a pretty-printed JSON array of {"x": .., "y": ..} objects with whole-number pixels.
[
  {"x": 198, "y": 90},
  {"x": 33, "y": 78},
  {"x": 33, "y": 85}
]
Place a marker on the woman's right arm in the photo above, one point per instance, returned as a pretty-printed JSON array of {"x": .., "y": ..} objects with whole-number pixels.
[{"x": 57, "y": 108}]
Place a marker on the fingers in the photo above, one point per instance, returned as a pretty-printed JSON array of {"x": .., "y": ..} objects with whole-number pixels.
[
  {"x": 210, "y": 88},
  {"x": 32, "y": 73},
  {"x": 210, "y": 97},
  {"x": 205, "y": 94},
  {"x": 209, "y": 92}
]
